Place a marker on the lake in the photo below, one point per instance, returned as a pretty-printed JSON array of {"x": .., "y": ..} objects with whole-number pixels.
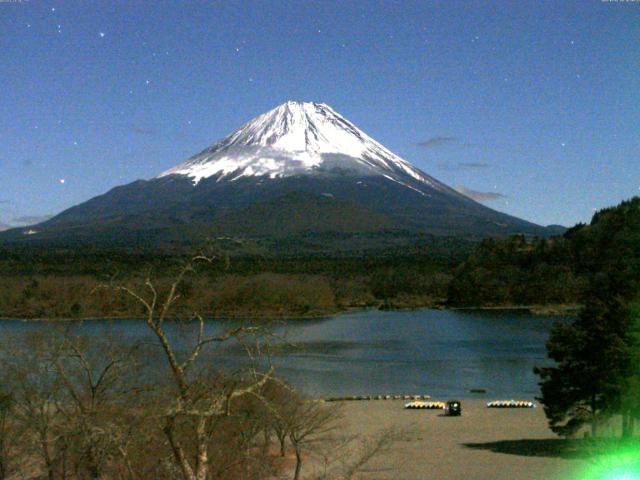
[{"x": 443, "y": 353}]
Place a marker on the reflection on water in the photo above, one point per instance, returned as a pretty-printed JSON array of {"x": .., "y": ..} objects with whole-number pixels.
[{"x": 442, "y": 353}]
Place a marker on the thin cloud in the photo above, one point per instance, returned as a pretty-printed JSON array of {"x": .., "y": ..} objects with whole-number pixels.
[
  {"x": 30, "y": 220},
  {"x": 463, "y": 166},
  {"x": 156, "y": 131},
  {"x": 4, "y": 201},
  {"x": 480, "y": 196},
  {"x": 152, "y": 131},
  {"x": 439, "y": 141},
  {"x": 472, "y": 165},
  {"x": 144, "y": 130}
]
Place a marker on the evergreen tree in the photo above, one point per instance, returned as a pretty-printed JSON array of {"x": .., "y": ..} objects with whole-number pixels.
[
  {"x": 631, "y": 392},
  {"x": 592, "y": 362},
  {"x": 597, "y": 357}
]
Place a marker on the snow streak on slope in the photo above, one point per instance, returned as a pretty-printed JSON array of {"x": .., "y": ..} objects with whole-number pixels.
[{"x": 300, "y": 138}]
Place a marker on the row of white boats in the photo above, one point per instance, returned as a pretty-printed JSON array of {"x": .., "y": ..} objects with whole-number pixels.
[
  {"x": 423, "y": 401},
  {"x": 378, "y": 397},
  {"x": 493, "y": 404},
  {"x": 511, "y": 404}
]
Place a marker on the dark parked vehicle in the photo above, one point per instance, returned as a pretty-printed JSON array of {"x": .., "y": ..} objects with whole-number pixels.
[{"x": 453, "y": 408}]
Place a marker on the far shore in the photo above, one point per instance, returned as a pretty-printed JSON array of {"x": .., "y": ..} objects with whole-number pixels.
[
  {"x": 547, "y": 310},
  {"x": 542, "y": 310}
]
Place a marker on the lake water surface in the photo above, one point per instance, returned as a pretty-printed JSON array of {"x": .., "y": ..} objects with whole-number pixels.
[{"x": 442, "y": 353}]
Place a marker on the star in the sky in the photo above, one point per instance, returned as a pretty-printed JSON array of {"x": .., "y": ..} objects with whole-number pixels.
[{"x": 101, "y": 34}]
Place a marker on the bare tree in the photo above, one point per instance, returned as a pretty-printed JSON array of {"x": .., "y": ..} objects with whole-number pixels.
[
  {"x": 69, "y": 408},
  {"x": 345, "y": 457},
  {"x": 196, "y": 404},
  {"x": 283, "y": 403},
  {"x": 34, "y": 387},
  {"x": 97, "y": 378},
  {"x": 6, "y": 407},
  {"x": 311, "y": 422},
  {"x": 90, "y": 409}
]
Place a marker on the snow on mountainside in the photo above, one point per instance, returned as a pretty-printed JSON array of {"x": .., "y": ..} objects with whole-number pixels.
[{"x": 301, "y": 138}]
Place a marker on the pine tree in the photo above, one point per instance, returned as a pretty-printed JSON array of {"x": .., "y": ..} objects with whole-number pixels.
[
  {"x": 592, "y": 361},
  {"x": 597, "y": 357},
  {"x": 631, "y": 392}
]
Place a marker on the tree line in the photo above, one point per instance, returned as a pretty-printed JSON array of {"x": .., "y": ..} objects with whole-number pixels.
[{"x": 50, "y": 285}]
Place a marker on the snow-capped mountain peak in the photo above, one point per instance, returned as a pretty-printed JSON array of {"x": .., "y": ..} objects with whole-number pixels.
[
  {"x": 299, "y": 169},
  {"x": 300, "y": 138}
]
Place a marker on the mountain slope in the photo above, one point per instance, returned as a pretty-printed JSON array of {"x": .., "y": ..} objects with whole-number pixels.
[{"x": 300, "y": 167}]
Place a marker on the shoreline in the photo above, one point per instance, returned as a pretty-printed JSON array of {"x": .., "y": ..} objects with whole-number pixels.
[
  {"x": 547, "y": 310},
  {"x": 538, "y": 310},
  {"x": 206, "y": 317}
]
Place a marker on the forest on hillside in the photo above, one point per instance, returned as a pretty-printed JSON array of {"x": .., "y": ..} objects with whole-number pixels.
[
  {"x": 518, "y": 271},
  {"x": 437, "y": 272}
]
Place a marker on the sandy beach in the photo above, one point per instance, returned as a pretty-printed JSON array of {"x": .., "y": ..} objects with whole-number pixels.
[{"x": 492, "y": 444}]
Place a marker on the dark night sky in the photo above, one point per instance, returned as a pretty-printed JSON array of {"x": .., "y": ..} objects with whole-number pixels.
[{"x": 532, "y": 106}]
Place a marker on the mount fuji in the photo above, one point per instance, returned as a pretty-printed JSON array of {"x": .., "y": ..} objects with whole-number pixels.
[{"x": 300, "y": 168}]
